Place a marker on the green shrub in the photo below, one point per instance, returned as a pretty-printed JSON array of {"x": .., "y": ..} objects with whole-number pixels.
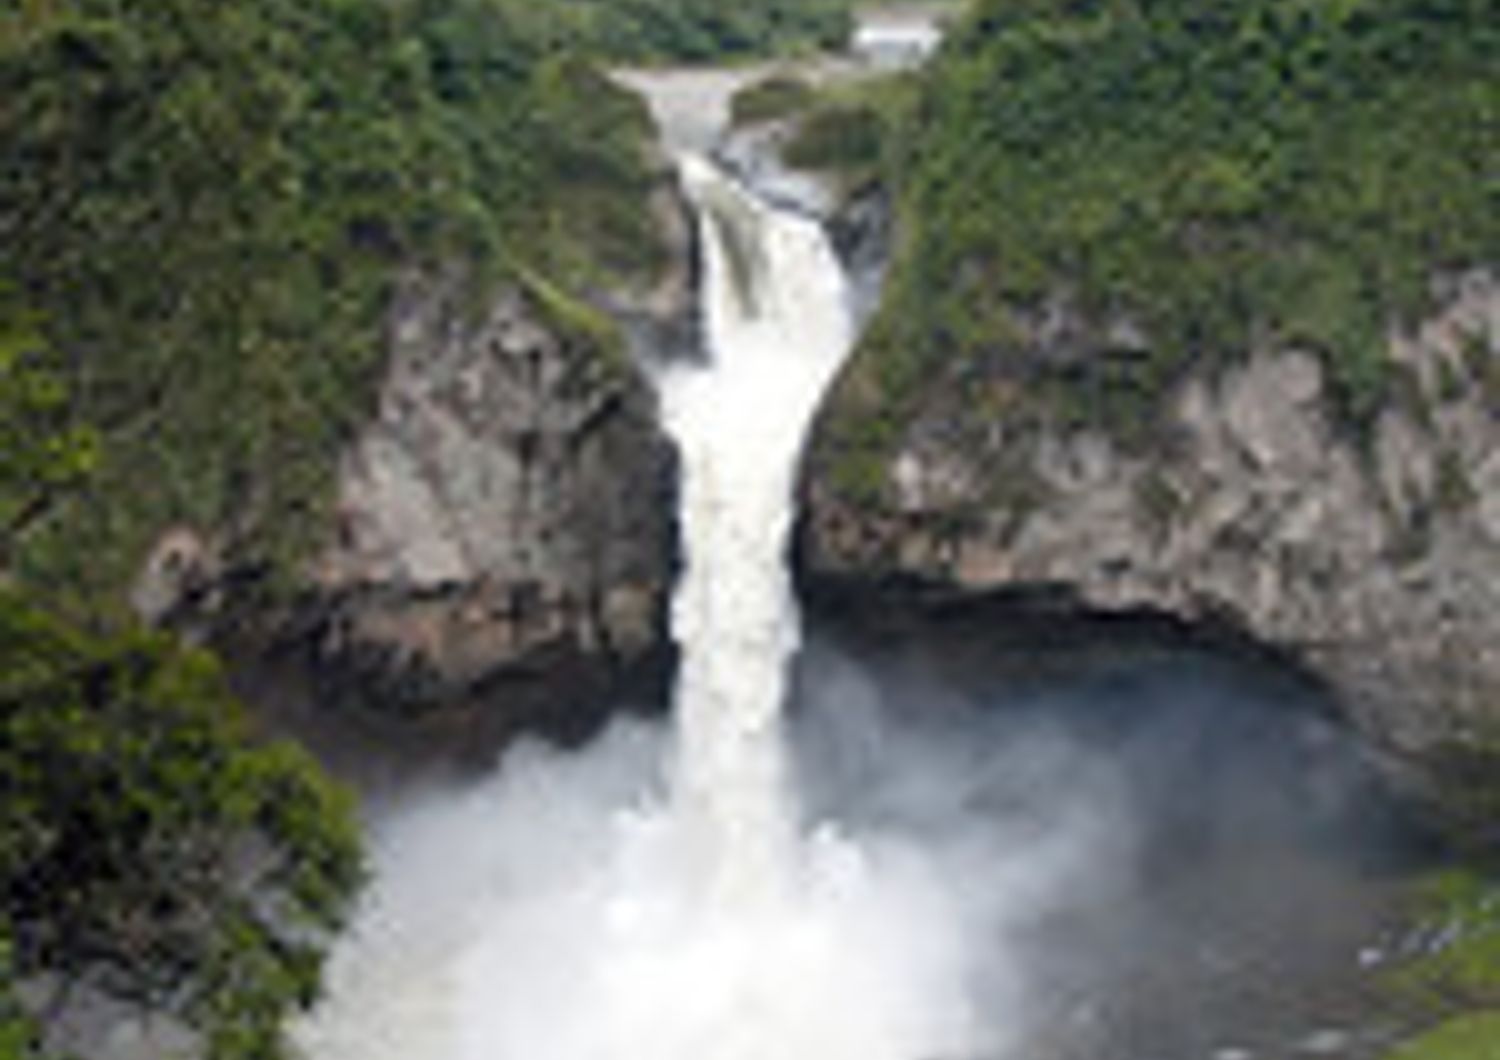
[
  {"x": 848, "y": 138},
  {"x": 148, "y": 848}
]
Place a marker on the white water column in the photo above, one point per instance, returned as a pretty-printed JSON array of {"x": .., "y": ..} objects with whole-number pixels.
[{"x": 778, "y": 326}]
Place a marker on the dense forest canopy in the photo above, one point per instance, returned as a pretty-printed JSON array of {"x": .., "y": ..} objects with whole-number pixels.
[
  {"x": 207, "y": 206},
  {"x": 149, "y": 852},
  {"x": 691, "y": 30},
  {"x": 1222, "y": 176}
]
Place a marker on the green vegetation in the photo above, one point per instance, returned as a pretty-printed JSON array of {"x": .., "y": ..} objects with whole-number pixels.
[
  {"x": 147, "y": 850},
  {"x": 42, "y": 454},
  {"x": 1466, "y": 1038},
  {"x": 207, "y": 205},
  {"x": 847, "y": 138},
  {"x": 778, "y": 96},
  {"x": 1456, "y": 987},
  {"x": 1463, "y": 906},
  {"x": 1270, "y": 171},
  {"x": 691, "y": 30},
  {"x": 150, "y": 850},
  {"x": 851, "y": 129}
]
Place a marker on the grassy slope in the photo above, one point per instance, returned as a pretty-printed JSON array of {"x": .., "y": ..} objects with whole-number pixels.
[{"x": 1267, "y": 171}]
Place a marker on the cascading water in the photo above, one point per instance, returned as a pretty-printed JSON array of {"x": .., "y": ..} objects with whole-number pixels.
[
  {"x": 778, "y": 324},
  {"x": 571, "y": 910}
]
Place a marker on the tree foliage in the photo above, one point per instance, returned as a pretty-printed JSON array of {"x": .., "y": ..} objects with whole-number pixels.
[
  {"x": 43, "y": 451},
  {"x": 695, "y": 30},
  {"x": 1221, "y": 175},
  {"x": 207, "y": 205},
  {"x": 150, "y": 852}
]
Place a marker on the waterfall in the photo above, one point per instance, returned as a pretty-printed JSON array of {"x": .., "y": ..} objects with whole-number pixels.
[
  {"x": 658, "y": 896},
  {"x": 952, "y": 886},
  {"x": 777, "y": 320}
]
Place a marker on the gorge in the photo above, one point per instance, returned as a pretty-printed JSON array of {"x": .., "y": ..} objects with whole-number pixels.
[
  {"x": 924, "y": 858},
  {"x": 1073, "y": 952},
  {"x": 990, "y": 560}
]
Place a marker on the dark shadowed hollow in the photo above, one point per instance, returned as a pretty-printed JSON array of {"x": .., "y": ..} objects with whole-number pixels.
[{"x": 1205, "y": 863}]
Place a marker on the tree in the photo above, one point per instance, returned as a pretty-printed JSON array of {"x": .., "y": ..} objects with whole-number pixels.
[
  {"x": 149, "y": 851},
  {"x": 41, "y": 451}
]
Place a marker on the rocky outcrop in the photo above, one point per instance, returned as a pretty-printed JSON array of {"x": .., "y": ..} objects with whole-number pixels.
[
  {"x": 1375, "y": 560},
  {"x": 509, "y": 503},
  {"x": 503, "y": 519}
]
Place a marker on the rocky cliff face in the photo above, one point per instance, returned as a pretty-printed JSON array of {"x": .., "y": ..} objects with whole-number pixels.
[
  {"x": 508, "y": 511},
  {"x": 511, "y": 500},
  {"x": 1376, "y": 560},
  {"x": 504, "y": 518}
]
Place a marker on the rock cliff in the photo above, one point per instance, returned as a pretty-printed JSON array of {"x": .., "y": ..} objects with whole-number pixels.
[
  {"x": 504, "y": 518},
  {"x": 510, "y": 501},
  {"x": 1374, "y": 559}
]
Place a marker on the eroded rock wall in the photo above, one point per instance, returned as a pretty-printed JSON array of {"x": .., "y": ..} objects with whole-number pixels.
[
  {"x": 1375, "y": 560},
  {"x": 511, "y": 500}
]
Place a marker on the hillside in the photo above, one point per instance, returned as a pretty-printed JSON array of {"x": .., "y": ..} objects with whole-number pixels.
[
  {"x": 208, "y": 207},
  {"x": 1197, "y": 312},
  {"x": 1192, "y": 183}
]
